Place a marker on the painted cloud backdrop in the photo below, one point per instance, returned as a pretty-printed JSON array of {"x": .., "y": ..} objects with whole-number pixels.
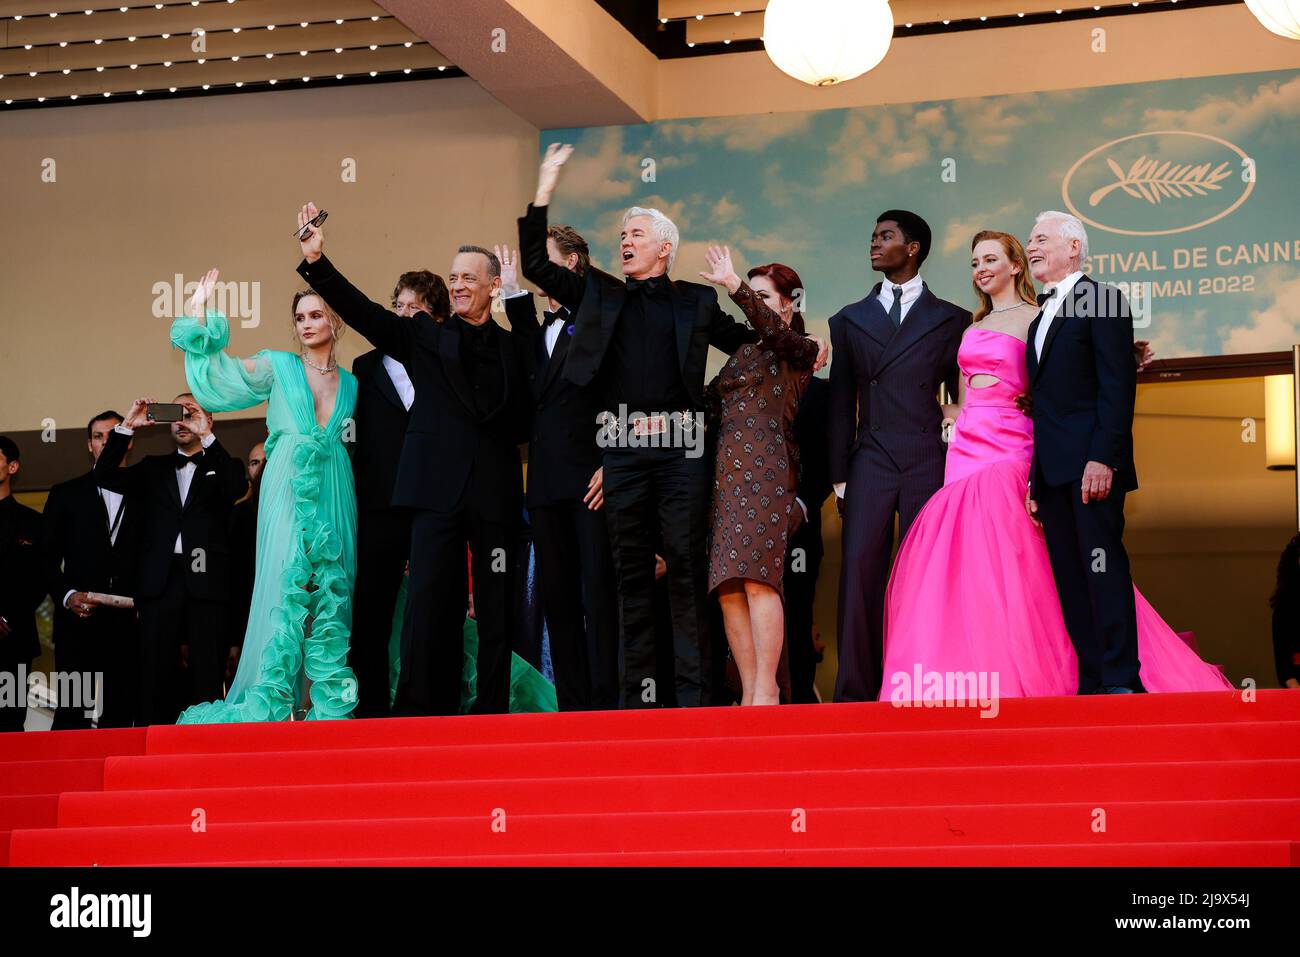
[{"x": 805, "y": 189}]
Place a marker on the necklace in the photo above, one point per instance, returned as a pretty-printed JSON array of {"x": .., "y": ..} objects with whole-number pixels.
[
  {"x": 1014, "y": 305},
  {"x": 328, "y": 368}
]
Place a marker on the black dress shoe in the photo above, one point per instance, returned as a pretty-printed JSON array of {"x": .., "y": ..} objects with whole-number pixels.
[{"x": 1117, "y": 689}]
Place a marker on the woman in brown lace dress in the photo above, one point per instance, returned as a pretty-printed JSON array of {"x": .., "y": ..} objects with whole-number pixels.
[{"x": 754, "y": 510}]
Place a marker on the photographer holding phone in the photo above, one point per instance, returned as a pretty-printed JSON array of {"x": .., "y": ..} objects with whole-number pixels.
[{"x": 183, "y": 565}]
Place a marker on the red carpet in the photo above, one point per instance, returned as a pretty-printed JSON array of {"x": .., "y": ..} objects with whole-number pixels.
[{"x": 1203, "y": 779}]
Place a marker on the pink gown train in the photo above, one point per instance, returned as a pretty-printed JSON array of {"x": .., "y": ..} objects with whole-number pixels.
[{"x": 972, "y": 588}]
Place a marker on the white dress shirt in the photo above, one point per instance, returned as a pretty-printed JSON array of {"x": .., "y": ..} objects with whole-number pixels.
[
  {"x": 1052, "y": 307},
  {"x": 911, "y": 292},
  {"x": 401, "y": 381},
  {"x": 553, "y": 330}
]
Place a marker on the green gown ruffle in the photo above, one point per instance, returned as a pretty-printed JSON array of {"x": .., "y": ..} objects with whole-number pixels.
[{"x": 316, "y": 575}]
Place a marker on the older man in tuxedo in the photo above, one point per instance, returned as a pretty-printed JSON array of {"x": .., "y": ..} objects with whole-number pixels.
[
  {"x": 460, "y": 472},
  {"x": 892, "y": 349},
  {"x": 1083, "y": 384}
]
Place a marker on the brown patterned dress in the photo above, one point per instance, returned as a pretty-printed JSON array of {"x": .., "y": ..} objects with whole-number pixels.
[{"x": 757, "y": 467}]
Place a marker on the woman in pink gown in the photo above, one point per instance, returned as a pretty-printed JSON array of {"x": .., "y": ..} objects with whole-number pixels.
[{"x": 998, "y": 614}]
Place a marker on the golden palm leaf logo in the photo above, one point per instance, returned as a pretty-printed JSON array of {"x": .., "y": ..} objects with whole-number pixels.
[
  {"x": 1182, "y": 180},
  {"x": 1150, "y": 179}
]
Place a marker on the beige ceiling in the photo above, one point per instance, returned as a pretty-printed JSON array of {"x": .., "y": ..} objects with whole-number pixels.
[{"x": 133, "y": 46}]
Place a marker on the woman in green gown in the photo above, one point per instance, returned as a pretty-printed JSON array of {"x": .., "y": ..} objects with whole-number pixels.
[{"x": 301, "y": 614}]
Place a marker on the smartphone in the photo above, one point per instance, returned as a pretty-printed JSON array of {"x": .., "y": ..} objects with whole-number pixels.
[
  {"x": 316, "y": 220},
  {"x": 166, "y": 412}
]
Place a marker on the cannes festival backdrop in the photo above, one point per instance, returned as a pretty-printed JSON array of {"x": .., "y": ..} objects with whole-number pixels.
[{"x": 1187, "y": 187}]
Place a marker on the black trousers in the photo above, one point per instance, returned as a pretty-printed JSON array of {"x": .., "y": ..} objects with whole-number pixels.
[
  {"x": 876, "y": 491},
  {"x": 660, "y": 497},
  {"x": 575, "y": 573},
  {"x": 433, "y": 631},
  {"x": 383, "y": 546},
  {"x": 1086, "y": 548},
  {"x": 167, "y": 622},
  {"x": 803, "y": 562},
  {"x": 14, "y": 716},
  {"x": 106, "y": 644}
]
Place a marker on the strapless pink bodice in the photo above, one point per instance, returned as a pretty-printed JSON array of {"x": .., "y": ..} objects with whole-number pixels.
[{"x": 990, "y": 427}]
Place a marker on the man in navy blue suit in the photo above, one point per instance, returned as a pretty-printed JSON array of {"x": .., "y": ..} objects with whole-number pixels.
[
  {"x": 1083, "y": 383},
  {"x": 891, "y": 351}
]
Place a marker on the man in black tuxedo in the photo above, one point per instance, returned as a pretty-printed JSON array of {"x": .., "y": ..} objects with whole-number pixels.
[
  {"x": 1083, "y": 385},
  {"x": 805, "y": 551},
  {"x": 385, "y": 395},
  {"x": 644, "y": 340},
  {"x": 183, "y": 577},
  {"x": 22, "y": 588},
  {"x": 565, "y": 499},
  {"x": 88, "y": 541},
  {"x": 892, "y": 351},
  {"x": 459, "y": 472}
]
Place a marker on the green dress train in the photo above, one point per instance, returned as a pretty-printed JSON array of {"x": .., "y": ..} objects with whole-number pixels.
[{"x": 306, "y": 532}]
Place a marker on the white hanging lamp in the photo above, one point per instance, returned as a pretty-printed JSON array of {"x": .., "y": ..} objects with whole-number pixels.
[
  {"x": 1280, "y": 16},
  {"x": 823, "y": 42}
]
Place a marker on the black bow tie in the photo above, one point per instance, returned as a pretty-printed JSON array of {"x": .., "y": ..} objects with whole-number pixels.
[
  {"x": 1044, "y": 296},
  {"x": 180, "y": 460},
  {"x": 553, "y": 316},
  {"x": 654, "y": 285}
]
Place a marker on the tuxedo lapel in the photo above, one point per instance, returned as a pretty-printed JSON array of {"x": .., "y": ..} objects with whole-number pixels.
[
  {"x": 1064, "y": 312},
  {"x": 611, "y": 304},
  {"x": 169, "y": 479},
  {"x": 870, "y": 316},
  {"x": 1031, "y": 354},
  {"x": 384, "y": 381},
  {"x": 684, "y": 320},
  {"x": 556, "y": 360},
  {"x": 449, "y": 356}
]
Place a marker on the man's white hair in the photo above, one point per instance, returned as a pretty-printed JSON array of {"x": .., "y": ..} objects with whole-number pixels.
[
  {"x": 663, "y": 228},
  {"x": 1071, "y": 228}
]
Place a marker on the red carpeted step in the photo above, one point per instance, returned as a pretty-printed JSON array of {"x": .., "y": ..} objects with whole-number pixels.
[
  {"x": 29, "y": 810},
  {"x": 1191, "y": 854},
  {"x": 1087, "y": 711},
  {"x": 1119, "y": 744},
  {"x": 1073, "y": 823},
  {"x": 776, "y": 789},
  {"x": 48, "y": 745},
  {"x": 48, "y": 777}
]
